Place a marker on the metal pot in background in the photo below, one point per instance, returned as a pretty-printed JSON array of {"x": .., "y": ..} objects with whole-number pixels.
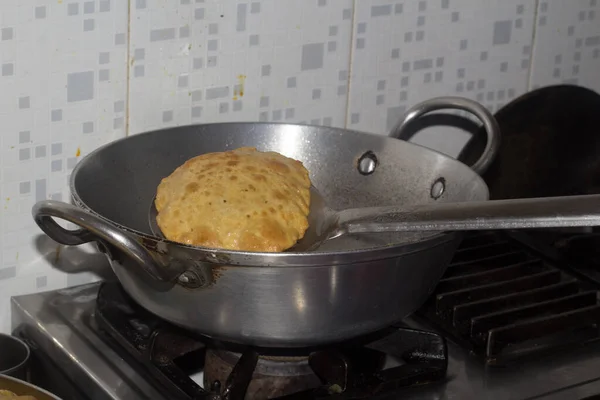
[
  {"x": 23, "y": 388},
  {"x": 14, "y": 357}
]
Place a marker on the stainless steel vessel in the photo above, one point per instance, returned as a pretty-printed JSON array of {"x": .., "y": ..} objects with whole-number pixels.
[{"x": 351, "y": 286}]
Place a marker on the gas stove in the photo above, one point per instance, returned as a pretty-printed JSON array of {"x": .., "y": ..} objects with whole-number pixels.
[{"x": 507, "y": 321}]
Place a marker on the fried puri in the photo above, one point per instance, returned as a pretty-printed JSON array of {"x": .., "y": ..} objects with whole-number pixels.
[{"x": 242, "y": 199}]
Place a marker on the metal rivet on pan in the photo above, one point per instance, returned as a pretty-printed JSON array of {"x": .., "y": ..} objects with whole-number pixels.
[
  {"x": 190, "y": 280},
  {"x": 367, "y": 163},
  {"x": 438, "y": 188}
]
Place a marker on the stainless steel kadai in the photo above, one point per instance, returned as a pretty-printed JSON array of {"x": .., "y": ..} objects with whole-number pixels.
[{"x": 352, "y": 285}]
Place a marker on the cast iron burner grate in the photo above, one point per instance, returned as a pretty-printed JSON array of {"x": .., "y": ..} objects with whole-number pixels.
[
  {"x": 347, "y": 371},
  {"x": 503, "y": 302}
]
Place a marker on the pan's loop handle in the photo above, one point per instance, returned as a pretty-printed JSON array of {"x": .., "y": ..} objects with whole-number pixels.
[
  {"x": 93, "y": 228},
  {"x": 490, "y": 124}
]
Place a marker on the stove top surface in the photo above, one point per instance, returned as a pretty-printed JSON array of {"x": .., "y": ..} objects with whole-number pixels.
[{"x": 487, "y": 332}]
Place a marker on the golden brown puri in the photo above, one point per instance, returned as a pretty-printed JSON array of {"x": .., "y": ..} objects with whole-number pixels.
[
  {"x": 242, "y": 199},
  {"x": 8, "y": 395}
]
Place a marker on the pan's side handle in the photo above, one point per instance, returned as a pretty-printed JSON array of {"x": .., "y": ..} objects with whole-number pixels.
[
  {"x": 490, "y": 124},
  {"x": 93, "y": 228}
]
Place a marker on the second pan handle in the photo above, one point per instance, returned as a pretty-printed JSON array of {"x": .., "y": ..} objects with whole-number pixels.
[{"x": 492, "y": 129}]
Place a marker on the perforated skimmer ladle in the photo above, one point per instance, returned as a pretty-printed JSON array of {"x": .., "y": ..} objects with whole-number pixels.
[{"x": 548, "y": 212}]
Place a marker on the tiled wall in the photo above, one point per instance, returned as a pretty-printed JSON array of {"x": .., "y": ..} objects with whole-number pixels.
[{"x": 75, "y": 74}]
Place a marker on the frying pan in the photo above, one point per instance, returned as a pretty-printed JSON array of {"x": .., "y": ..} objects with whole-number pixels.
[{"x": 351, "y": 286}]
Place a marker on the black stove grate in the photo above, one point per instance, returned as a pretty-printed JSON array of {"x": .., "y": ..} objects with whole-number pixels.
[
  {"x": 353, "y": 370},
  {"x": 504, "y": 302}
]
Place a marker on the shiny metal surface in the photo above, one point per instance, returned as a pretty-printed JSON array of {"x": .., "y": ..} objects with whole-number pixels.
[
  {"x": 459, "y": 103},
  {"x": 545, "y": 212},
  {"x": 58, "y": 323},
  {"x": 293, "y": 298}
]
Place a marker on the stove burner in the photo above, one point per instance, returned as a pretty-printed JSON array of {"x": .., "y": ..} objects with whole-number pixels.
[
  {"x": 505, "y": 303},
  {"x": 364, "y": 368}
]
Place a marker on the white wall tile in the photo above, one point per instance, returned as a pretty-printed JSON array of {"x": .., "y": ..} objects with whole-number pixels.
[
  {"x": 406, "y": 52},
  {"x": 62, "y": 69},
  {"x": 275, "y": 60},
  {"x": 567, "y": 44}
]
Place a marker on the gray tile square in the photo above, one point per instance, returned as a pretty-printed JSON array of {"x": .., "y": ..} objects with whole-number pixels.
[
  {"x": 395, "y": 53},
  {"x": 331, "y": 46},
  {"x": 56, "y": 149},
  {"x": 312, "y": 56},
  {"x": 8, "y": 69},
  {"x": 104, "y": 6},
  {"x": 199, "y": 13},
  {"x": 24, "y": 187},
  {"x": 381, "y": 84},
  {"x": 263, "y": 116},
  {"x": 408, "y": 37},
  {"x": 119, "y": 106},
  {"x": 87, "y": 127},
  {"x": 427, "y": 77},
  {"x": 503, "y": 66},
  {"x": 72, "y": 9},
  {"x": 420, "y": 36},
  {"x": 184, "y": 31},
  {"x": 422, "y": 5},
  {"x": 520, "y": 9},
  {"x": 343, "y": 75},
  {"x": 404, "y": 81},
  {"x": 381, "y": 10},
  {"x": 360, "y": 28},
  {"x": 460, "y": 73},
  {"x": 264, "y": 101},
  {"x": 379, "y": 99},
  {"x": 120, "y": 38},
  {"x": 40, "y": 151},
  {"x": 104, "y": 57},
  {"x": 265, "y": 70},
  {"x": 454, "y": 17},
  {"x": 483, "y": 56},
  {"x": 398, "y": 8},
  {"x": 118, "y": 123},
  {"x": 254, "y": 7},
  {"x": 89, "y": 7},
  {"x": 213, "y": 29},
  {"x": 24, "y": 154},
  {"x": 327, "y": 121},
  {"x": 254, "y": 40},
  {"x": 196, "y": 112},
  {"x": 197, "y": 95},
  {"x": 420, "y": 20},
  {"x": 502, "y": 32},
  {"x": 333, "y": 30},
  {"x": 183, "y": 81},
  {"x": 56, "y": 115},
  {"x": 41, "y": 282},
  {"x": 6, "y": 33},
  {"x": 291, "y": 82},
  {"x": 8, "y": 272},
  {"x": 277, "y": 115},
  {"x": 198, "y": 63},
  {"x": 139, "y": 54},
  {"x": 140, "y": 4},
  {"x": 354, "y": 118},
  {"x": 439, "y": 75},
  {"x": 138, "y": 71},
  {"x": 316, "y": 94},
  {"x": 289, "y": 113},
  {"x": 88, "y": 25},
  {"x": 71, "y": 163},
  {"x": 237, "y": 105},
  {"x": 40, "y": 12},
  {"x": 24, "y": 102},
  {"x": 211, "y": 61},
  {"x": 167, "y": 116},
  {"x": 463, "y": 44},
  {"x": 103, "y": 75},
  {"x": 24, "y": 137},
  {"x": 347, "y": 13},
  {"x": 518, "y": 23},
  {"x": 342, "y": 90},
  {"x": 223, "y": 108},
  {"x": 481, "y": 84},
  {"x": 212, "y": 45}
]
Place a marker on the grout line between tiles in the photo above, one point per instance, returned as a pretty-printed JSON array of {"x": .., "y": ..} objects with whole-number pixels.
[
  {"x": 533, "y": 39},
  {"x": 127, "y": 69},
  {"x": 350, "y": 62}
]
